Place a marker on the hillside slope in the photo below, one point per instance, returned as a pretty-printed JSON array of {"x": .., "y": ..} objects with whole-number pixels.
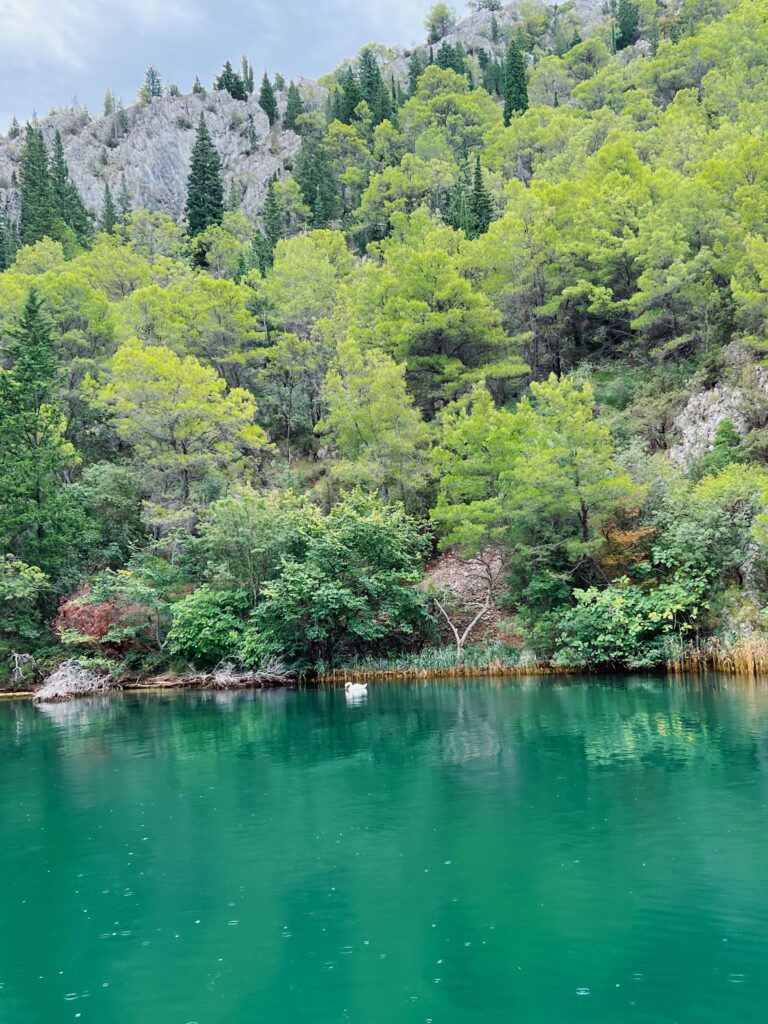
[{"x": 152, "y": 151}]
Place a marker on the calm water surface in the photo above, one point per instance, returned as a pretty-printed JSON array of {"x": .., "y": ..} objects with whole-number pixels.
[{"x": 534, "y": 852}]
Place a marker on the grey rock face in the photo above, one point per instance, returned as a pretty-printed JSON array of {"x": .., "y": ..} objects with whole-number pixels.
[
  {"x": 154, "y": 151},
  {"x": 699, "y": 420}
]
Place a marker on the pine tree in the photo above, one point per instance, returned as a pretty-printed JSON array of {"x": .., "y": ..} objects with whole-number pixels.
[
  {"x": 415, "y": 71},
  {"x": 575, "y": 38},
  {"x": 109, "y": 103},
  {"x": 246, "y": 73},
  {"x": 515, "y": 84},
  {"x": 68, "y": 202},
  {"x": 480, "y": 204},
  {"x": 627, "y": 23},
  {"x": 197, "y": 87},
  {"x": 205, "y": 192},
  {"x": 267, "y": 100},
  {"x": 294, "y": 109},
  {"x": 153, "y": 83},
  {"x": 495, "y": 31},
  {"x": 38, "y": 203},
  {"x": 108, "y": 218},
  {"x": 272, "y": 217},
  {"x": 124, "y": 204},
  {"x": 15, "y": 130},
  {"x": 231, "y": 82}
]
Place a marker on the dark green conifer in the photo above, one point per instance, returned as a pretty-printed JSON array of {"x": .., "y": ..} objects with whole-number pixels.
[
  {"x": 35, "y": 523},
  {"x": 627, "y": 24},
  {"x": 480, "y": 204},
  {"x": 197, "y": 87},
  {"x": 153, "y": 83},
  {"x": 231, "y": 82},
  {"x": 15, "y": 130},
  {"x": 272, "y": 216},
  {"x": 68, "y": 202},
  {"x": 246, "y": 74},
  {"x": 294, "y": 108},
  {"x": 205, "y": 192},
  {"x": 515, "y": 84},
  {"x": 267, "y": 100},
  {"x": 495, "y": 32},
  {"x": 261, "y": 254},
  {"x": 124, "y": 204},
  {"x": 9, "y": 242},
  {"x": 39, "y": 214},
  {"x": 372, "y": 87},
  {"x": 108, "y": 218},
  {"x": 415, "y": 71},
  {"x": 348, "y": 96},
  {"x": 315, "y": 178}
]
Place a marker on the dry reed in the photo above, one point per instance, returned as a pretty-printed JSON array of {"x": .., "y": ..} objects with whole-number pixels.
[{"x": 747, "y": 656}]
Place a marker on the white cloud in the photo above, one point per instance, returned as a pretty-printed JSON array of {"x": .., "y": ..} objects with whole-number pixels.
[{"x": 33, "y": 32}]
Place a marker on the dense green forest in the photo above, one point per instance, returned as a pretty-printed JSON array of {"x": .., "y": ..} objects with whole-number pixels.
[{"x": 467, "y": 320}]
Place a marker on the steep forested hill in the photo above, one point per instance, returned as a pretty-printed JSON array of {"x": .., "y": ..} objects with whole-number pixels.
[{"x": 267, "y": 347}]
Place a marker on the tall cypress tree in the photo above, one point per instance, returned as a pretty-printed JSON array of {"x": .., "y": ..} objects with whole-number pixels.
[
  {"x": 371, "y": 83},
  {"x": 68, "y": 202},
  {"x": 315, "y": 178},
  {"x": 480, "y": 204},
  {"x": 246, "y": 74},
  {"x": 267, "y": 100},
  {"x": 262, "y": 255},
  {"x": 9, "y": 242},
  {"x": 415, "y": 71},
  {"x": 205, "y": 192},
  {"x": 294, "y": 108},
  {"x": 124, "y": 204},
  {"x": 39, "y": 215},
  {"x": 108, "y": 218},
  {"x": 272, "y": 217},
  {"x": 348, "y": 96},
  {"x": 515, "y": 84},
  {"x": 627, "y": 23}
]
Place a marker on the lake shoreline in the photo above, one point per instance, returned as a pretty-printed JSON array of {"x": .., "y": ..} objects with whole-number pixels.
[{"x": 168, "y": 682}]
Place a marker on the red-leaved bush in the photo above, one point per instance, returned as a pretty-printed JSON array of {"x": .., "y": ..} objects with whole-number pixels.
[{"x": 94, "y": 622}]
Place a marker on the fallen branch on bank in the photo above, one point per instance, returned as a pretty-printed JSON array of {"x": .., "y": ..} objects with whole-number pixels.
[{"x": 72, "y": 679}]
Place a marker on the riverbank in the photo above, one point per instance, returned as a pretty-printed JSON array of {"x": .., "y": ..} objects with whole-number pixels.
[{"x": 747, "y": 658}]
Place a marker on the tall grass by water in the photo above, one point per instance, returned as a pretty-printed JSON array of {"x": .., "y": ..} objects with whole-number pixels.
[
  {"x": 485, "y": 659},
  {"x": 746, "y": 656}
]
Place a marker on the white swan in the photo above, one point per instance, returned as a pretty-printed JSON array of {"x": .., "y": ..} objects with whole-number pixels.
[{"x": 356, "y": 689}]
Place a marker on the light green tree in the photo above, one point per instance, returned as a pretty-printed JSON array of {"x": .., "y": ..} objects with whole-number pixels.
[
  {"x": 179, "y": 419},
  {"x": 373, "y": 421}
]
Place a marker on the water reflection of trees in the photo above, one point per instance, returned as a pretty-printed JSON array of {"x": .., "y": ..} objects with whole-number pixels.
[{"x": 601, "y": 722}]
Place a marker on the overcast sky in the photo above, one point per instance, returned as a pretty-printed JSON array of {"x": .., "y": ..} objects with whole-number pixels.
[{"x": 54, "y": 50}]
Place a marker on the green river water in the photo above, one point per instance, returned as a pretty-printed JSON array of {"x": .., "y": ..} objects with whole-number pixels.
[{"x": 541, "y": 852}]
